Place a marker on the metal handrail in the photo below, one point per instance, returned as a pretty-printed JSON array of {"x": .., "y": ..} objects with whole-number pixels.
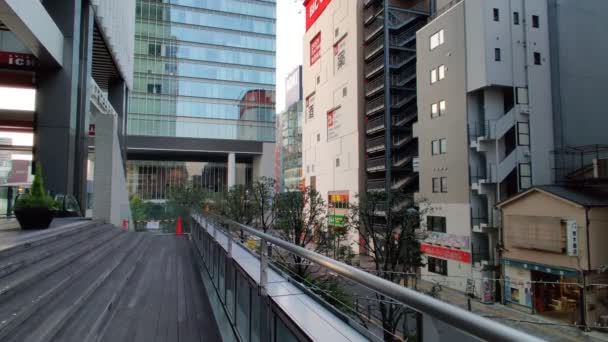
[{"x": 466, "y": 321}]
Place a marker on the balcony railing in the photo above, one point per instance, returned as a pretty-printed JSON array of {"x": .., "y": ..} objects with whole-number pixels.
[
  {"x": 370, "y": 13},
  {"x": 374, "y": 106},
  {"x": 374, "y": 47},
  {"x": 373, "y": 87},
  {"x": 376, "y": 164},
  {"x": 373, "y": 67},
  {"x": 375, "y": 145},
  {"x": 404, "y": 77},
  {"x": 398, "y": 60},
  {"x": 405, "y": 37},
  {"x": 375, "y": 125},
  {"x": 376, "y": 26},
  {"x": 376, "y": 185}
]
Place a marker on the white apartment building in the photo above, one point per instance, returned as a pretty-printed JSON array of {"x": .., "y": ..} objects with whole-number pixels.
[
  {"x": 485, "y": 128},
  {"x": 332, "y": 147}
]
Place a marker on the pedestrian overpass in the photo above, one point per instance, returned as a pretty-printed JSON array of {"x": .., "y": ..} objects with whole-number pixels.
[{"x": 84, "y": 280}]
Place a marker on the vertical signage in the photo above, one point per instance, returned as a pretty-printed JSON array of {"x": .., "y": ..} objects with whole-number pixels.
[
  {"x": 333, "y": 124},
  {"x": 314, "y": 9},
  {"x": 315, "y": 48},
  {"x": 340, "y": 55},
  {"x": 572, "y": 238},
  {"x": 310, "y": 106}
]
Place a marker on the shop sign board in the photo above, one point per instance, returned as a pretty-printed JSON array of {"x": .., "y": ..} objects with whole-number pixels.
[
  {"x": 314, "y": 9},
  {"x": 446, "y": 253},
  {"x": 18, "y": 60},
  {"x": 572, "y": 238},
  {"x": 448, "y": 240},
  {"x": 340, "y": 55},
  {"x": 337, "y": 220},
  {"x": 315, "y": 49},
  {"x": 334, "y": 124}
]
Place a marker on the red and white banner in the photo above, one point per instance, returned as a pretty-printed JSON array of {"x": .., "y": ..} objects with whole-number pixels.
[
  {"x": 314, "y": 9},
  {"x": 315, "y": 48},
  {"x": 446, "y": 253},
  {"x": 14, "y": 59}
]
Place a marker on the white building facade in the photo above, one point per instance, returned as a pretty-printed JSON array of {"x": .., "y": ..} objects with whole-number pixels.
[{"x": 332, "y": 157}]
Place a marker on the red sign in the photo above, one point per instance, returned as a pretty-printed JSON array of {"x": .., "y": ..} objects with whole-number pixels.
[
  {"x": 314, "y": 9},
  {"x": 315, "y": 48},
  {"x": 330, "y": 119},
  {"x": 20, "y": 60},
  {"x": 19, "y": 171},
  {"x": 92, "y": 130},
  {"x": 446, "y": 253}
]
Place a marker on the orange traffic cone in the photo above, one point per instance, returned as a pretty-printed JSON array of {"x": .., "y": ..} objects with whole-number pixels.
[{"x": 178, "y": 226}]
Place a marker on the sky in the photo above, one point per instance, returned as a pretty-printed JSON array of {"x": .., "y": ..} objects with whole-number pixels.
[{"x": 290, "y": 30}]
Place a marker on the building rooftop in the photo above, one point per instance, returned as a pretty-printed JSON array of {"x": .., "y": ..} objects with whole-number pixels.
[{"x": 585, "y": 196}]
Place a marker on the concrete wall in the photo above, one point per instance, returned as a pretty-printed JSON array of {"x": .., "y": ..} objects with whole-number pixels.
[
  {"x": 263, "y": 166},
  {"x": 540, "y": 204},
  {"x": 116, "y": 19},
  {"x": 598, "y": 224},
  {"x": 111, "y": 200},
  {"x": 453, "y": 124},
  {"x": 579, "y": 52}
]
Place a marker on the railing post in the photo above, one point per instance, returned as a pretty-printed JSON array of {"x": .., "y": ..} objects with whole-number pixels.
[
  {"x": 229, "y": 236},
  {"x": 263, "y": 267}
]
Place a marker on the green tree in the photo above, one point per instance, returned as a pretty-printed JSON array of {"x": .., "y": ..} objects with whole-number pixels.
[
  {"x": 388, "y": 224},
  {"x": 37, "y": 198}
]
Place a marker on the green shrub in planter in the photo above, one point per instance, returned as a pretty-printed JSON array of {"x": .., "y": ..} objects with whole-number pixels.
[{"x": 35, "y": 209}]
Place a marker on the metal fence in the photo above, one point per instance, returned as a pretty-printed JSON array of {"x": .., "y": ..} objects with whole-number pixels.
[{"x": 434, "y": 311}]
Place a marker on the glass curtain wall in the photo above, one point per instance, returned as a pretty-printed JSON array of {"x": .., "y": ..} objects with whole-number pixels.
[
  {"x": 204, "y": 69},
  {"x": 151, "y": 180}
]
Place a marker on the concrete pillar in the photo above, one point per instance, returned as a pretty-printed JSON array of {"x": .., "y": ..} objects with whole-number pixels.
[
  {"x": 117, "y": 95},
  {"x": 57, "y": 105},
  {"x": 231, "y": 169},
  {"x": 111, "y": 200}
]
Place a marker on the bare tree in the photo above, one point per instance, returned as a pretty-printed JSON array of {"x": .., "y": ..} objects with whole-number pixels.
[
  {"x": 263, "y": 195},
  {"x": 300, "y": 217},
  {"x": 387, "y": 223}
]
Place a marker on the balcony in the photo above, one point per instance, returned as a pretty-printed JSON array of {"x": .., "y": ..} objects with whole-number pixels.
[
  {"x": 400, "y": 19},
  {"x": 400, "y": 140},
  {"x": 399, "y": 101},
  {"x": 376, "y": 185},
  {"x": 375, "y": 86},
  {"x": 374, "y": 67},
  {"x": 375, "y": 145},
  {"x": 371, "y": 13},
  {"x": 377, "y": 164},
  {"x": 404, "y": 77},
  {"x": 372, "y": 49},
  {"x": 375, "y": 125},
  {"x": 402, "y": 58},
  {"x": 406, "y": 37},
  {"x": 373, "y": 29},
  {"x": 374, "y": 106},
  {"x": 400, "y": 182}
]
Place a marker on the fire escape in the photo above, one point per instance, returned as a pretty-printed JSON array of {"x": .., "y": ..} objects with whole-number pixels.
[{"x": 390, "y": 92}]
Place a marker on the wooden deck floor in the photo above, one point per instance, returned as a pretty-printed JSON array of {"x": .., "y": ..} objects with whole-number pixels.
[{"x": 166, "y": 300}]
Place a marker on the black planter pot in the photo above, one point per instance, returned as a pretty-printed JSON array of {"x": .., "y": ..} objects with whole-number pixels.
[{"x": 34, "y": 218}]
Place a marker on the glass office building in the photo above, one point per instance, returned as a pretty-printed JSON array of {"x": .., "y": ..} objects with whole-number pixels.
[{"x": 204, "y": 69}]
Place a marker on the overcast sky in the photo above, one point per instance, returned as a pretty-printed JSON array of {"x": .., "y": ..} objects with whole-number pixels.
[{"x": 290, "y": 30}]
